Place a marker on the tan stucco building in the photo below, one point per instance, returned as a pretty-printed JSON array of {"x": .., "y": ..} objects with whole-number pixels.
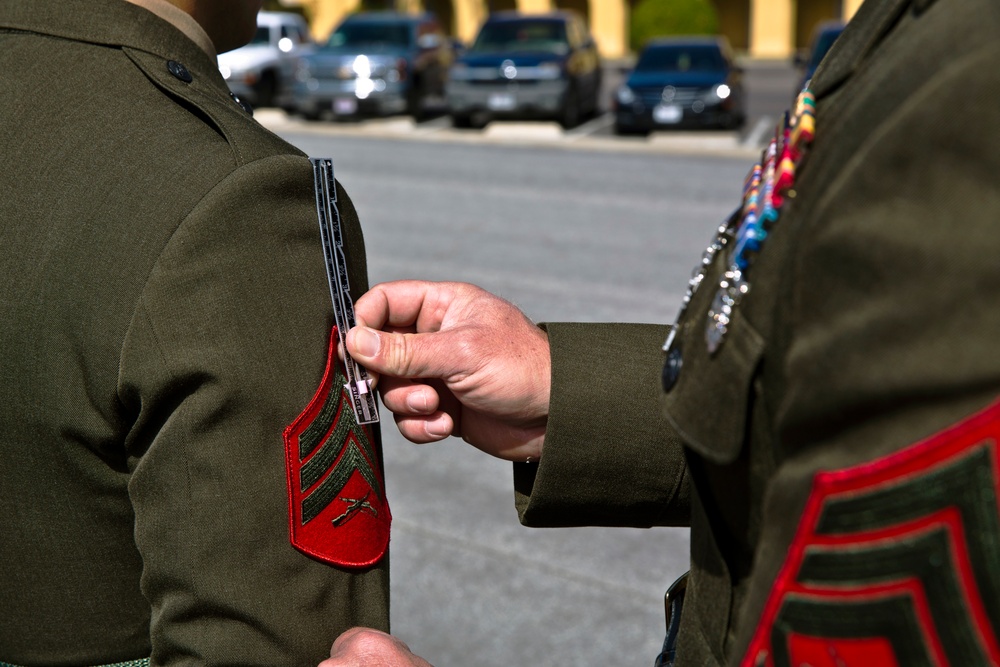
[{"x": 759, "y": 28}]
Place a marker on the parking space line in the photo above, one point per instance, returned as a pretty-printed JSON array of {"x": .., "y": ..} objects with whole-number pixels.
[
  {"x": 755, "y": 137},
  {"x": 434, "y": 125},
  {"x": 592, "y": 126},
  {"x": 586, "y": 136}
]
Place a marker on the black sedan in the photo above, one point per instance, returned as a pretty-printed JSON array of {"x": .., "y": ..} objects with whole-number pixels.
[
  {"x": 689, "y": 82},
  {"x": 823, "y": 38},
  {"x": 541, "y": 65}
]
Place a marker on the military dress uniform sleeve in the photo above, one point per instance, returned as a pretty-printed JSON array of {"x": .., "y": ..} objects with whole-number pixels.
[
  {"x": 889, "y": 345},
  {"x": 609, "y": 457},
  {"x": 226, "y": 347}
]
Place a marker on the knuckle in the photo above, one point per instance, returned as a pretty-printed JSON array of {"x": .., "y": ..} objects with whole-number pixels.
[{"x": 398, "y": 354}]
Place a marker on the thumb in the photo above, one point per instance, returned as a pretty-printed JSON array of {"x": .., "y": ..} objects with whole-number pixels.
[{"x": 402, "y": 355}]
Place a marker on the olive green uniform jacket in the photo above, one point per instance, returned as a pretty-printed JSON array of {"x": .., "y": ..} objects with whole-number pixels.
[
  {"x": 871, "y": 324},
  {"x": 166, "y": 316}
]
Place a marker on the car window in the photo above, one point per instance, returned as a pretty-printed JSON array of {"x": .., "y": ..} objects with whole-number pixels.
[
  {"x": 522, "y": 36},
  {"x": 823, "y": 43},
  {"x": 262, "y": 36},
  {"x": 290, "y": 37},
  {"x": 680, "y": 58},
  {"x": 370, "y": 35}
]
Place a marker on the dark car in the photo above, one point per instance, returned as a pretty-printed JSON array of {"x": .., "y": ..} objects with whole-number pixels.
[
  {"x": 375, "y": 63},
  {"x": 526, "y": 66},
  {"x": 823, "y": 38},
  {"x": 681, "y": 82}
]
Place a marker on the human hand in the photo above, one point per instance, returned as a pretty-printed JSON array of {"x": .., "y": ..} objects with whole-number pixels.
[
  {"x": 363, "y": 647},
  {"x": 456, "y": 360}
]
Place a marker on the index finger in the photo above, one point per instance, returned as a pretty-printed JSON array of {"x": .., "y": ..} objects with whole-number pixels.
[{"x": 405, "y": 303}]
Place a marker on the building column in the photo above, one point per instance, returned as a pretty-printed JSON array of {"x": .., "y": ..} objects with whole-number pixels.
[
  {"x": 469, "y": 15},
  {"x": 325, "y": 15},
  {"x": 850, "y": 7},
  {"x": 772, "y": 28},
  {"x": 609, "y": 25},
  {"x": 534, "y": 6}
]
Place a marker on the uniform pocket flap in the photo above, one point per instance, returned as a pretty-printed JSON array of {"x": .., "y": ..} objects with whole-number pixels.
[{"x": 708, "y": 406}]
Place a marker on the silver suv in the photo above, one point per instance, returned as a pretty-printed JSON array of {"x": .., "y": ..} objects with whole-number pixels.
[
  {"x": 527, "y": 65},
  {"x": 262, "y": 72},
  {"x": 375, "y": 63}
]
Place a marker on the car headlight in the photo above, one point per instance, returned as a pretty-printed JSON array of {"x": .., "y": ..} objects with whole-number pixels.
[
  {"x": 721, "y": 91},
  {"x": 625, "y": 95},
  {"x": 225, "y": 71},
  {"x": 362, "y": 67}
]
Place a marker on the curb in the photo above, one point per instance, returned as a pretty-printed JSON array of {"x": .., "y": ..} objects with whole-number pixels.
[{"x": 524, "y": 134}]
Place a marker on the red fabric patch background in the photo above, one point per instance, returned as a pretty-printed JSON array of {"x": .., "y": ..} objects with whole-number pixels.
[
  {"x": 361, "y": 538},
  {"x": 907, "y": 464}
]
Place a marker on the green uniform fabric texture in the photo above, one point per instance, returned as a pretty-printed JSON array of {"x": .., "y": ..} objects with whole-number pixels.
[
  {"x": 130, "y": 663},
  {"x": 870, "y": 324},
  {"x": 165, "y": 316}
]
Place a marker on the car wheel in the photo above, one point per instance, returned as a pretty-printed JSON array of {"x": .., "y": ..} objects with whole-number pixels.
[
  {"x": 461, "y": 120},
  {"x": 569, "y": 115},
  {"x": 595, "y": 101},
  {"x": 415, "y": 100},
  {"x": 630, "y": 131},
  {"x": 266, "y": 88},
  {"x": 734, "y": 122}
]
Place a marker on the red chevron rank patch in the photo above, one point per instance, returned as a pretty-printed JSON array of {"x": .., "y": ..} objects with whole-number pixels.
[
  {"x": 895, "y": 562},
  {"x": 337, "y": 509}
]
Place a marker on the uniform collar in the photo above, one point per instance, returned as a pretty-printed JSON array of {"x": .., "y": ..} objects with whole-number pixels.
[
  {"x": 870, "y": 24},
  {"x": 181, "y": 20},
  {"x": 114, "y": 23}
]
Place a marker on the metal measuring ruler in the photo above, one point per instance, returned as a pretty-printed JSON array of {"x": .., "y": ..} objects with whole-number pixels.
[{"x": 358, "y": 384}]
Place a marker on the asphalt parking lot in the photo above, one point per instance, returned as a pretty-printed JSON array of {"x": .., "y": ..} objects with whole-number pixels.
[
  {"x": 568, "y": 233},
  {"x": 615, "y": 225},
  {"x": 770, "y": 89}
]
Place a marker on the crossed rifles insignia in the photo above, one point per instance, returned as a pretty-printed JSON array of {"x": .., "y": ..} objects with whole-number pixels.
[
  {"x": 354, "y": 505},
  {"x": 337, "y": 507}
]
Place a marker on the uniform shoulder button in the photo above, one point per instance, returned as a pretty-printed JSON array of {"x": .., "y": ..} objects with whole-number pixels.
[
  {"x": 672, "y": 367},
  {"x": 243, "y": 104},
  {"x": 179, "y": 71}
]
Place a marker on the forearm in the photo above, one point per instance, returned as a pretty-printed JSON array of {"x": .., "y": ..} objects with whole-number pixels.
[{"x": 609, "y": 457}]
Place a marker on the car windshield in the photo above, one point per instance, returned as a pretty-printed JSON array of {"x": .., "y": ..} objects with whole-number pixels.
[
  {"x": 823, "y": 43},
  {"x": 522, "y": 36},
  {"x": 680, "y": 59},
  {"x": 370, "y": 35},
  {"x": 262, "y": 36}
]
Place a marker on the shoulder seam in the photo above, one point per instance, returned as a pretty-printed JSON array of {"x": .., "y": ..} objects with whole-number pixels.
[{"x": 182, "y": 219}]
